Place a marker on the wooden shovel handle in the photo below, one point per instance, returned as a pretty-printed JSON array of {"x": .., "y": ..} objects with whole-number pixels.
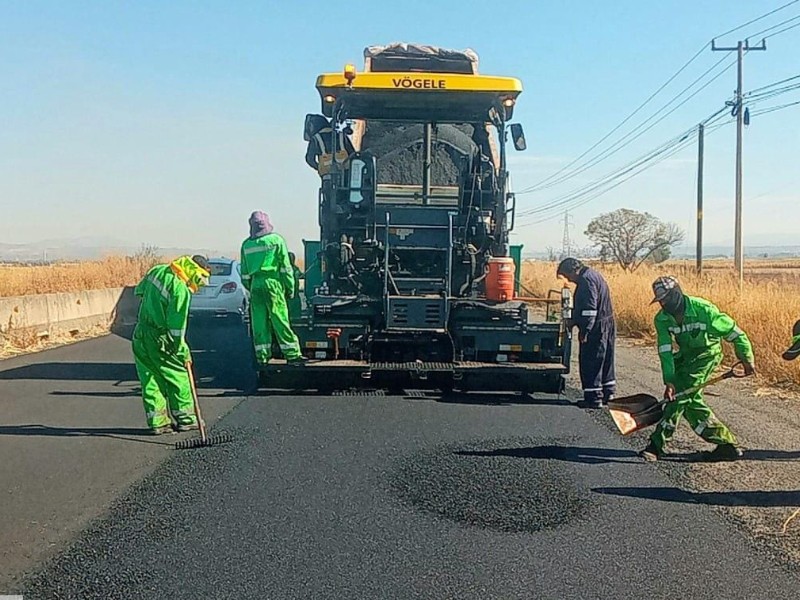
[
  {"x": 736, "y": 371},
  {"x": 195, "y": 402}
]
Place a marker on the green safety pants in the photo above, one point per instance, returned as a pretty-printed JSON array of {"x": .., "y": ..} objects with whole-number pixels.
[
  {"x": 164, "y": 378},
  {"x": 691, "y": 371},
  {"x": 269, "y": 314}
]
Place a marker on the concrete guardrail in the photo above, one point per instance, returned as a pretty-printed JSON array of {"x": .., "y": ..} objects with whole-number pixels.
[{"x": 68, "y": 313}]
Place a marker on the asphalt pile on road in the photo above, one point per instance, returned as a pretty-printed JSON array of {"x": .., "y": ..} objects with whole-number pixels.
[
  {"x": 399, "y": 151},
  {"x": 510, "y": 485}
]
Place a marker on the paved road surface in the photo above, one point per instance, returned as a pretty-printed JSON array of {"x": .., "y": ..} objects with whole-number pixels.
[
  {"x": 368, "y": 497},
  {"x": 71, "y": 435}
]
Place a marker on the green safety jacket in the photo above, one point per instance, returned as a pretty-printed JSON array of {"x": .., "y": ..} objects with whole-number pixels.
[
  {"x": 703, "y": 328},
  {"x": 165, "y": 304},
  {"x": 267, "y": 256}
]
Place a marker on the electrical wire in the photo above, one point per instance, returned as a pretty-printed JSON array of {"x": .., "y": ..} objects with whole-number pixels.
[
  {"x": 627, "y": 139},
  {"x": 782, "y": 23},
  {"x": 661, "y": 153},
  {"x": 770, "y": 85},
  {"x": 757, "y": 19},
  {"x": 564, "y": 173},
  {"x": 769, "y": 109},
  {"x": 599, "y": 183},
  {"x": 621, "y": 143},
  {"x": 626, "y": 119}
]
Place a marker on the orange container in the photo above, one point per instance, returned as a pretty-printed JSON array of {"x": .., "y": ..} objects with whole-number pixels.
[{"x": 500, "y": 278}]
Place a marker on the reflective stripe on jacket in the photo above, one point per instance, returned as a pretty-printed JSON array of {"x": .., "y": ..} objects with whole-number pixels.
[
  {"x": 267, "y": 256},
  {"x": 592, "y": 302},
  {"x": 703, "y": 328},
  {"x": 165, "y": 302}
]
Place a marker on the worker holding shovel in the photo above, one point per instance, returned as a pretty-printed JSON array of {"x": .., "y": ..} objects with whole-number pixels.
[{"x": 697, "y": 327}]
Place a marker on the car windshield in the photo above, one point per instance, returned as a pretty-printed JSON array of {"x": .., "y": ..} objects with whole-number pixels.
[{"x": 220, "y": 268}]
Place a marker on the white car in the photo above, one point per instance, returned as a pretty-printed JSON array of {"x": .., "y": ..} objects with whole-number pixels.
[{"x": 224, "y": 295}]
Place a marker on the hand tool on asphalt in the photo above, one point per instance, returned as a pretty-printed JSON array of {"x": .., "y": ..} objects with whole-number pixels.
[
  {"x": 204, "y": 440},
  {"x": 632, "y": 413}
]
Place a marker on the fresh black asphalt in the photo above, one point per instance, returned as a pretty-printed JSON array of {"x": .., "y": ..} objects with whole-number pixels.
[{"x": 384, "y": 497}]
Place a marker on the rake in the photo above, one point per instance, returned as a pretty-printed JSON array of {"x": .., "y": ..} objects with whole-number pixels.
[{"x": 204, "y": 440}]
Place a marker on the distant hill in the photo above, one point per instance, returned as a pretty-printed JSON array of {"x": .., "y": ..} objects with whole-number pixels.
[
  {"x": 88, "y": 249},
  {"x": 714, "y": 252}
]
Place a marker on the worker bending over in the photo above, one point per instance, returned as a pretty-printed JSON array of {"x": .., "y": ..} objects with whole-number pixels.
[
  {"x": 697, "y": 327},
  {"x": 159, "y": 342}
]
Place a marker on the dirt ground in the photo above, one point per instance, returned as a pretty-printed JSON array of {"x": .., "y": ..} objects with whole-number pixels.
[{"x": 759, "y": 492}]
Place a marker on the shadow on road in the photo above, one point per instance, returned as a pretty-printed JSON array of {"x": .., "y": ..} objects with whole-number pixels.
[
  {"x": 220, "y": 350},
  {"x": 736, "y": 498},
  {"x": 757, "y": 455},
  {"x": 131, "y": 393},
  {"x": 499, "y": 399},
  {"x": 73, "y": 371},
  {"x": 591, "y": 456},
  {"x": 121, "y": 433}
]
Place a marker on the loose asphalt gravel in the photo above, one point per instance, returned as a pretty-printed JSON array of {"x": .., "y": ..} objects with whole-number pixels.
[{"x": 406, "y": 497}]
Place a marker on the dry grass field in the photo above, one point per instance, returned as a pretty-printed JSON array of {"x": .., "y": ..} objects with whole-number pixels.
[
  {"x": 766, "y": 309},
  {"x": 114, "y": 271}
]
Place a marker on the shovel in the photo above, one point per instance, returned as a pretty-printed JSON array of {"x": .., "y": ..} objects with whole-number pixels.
[{"x": 632, "y": 413}]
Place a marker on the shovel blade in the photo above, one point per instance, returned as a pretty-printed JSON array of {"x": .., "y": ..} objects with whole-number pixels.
[{"x": 632, "y": 413}]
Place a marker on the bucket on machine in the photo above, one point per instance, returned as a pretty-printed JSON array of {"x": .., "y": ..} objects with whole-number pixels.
[{"x": 500, "y": 278}]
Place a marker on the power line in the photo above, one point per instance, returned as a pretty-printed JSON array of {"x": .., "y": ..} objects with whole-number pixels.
[
  {"x": 769, "y": 109},
  {"x": 760, "y": 33},
  {"x": 770, "y": 85},
  {"x": 564, "y": 173},
  {"x": 617, "y": 184},
  {"x": 783, "y": 30},
  {"x": 579, "y": 192},
  {"x": 656, "y": 156},
  {"x": 619, "y": 145},
  {"x": 626, "y": 119},
  {"x": 757, "y": 19}
]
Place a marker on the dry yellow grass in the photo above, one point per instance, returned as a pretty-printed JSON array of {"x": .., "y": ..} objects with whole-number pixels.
[
  {"x": 766, "y": 309},
  {"x": 114, "y": 271}
]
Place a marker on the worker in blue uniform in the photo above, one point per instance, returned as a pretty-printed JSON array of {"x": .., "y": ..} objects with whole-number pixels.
[{"x": 593, "y": 314}]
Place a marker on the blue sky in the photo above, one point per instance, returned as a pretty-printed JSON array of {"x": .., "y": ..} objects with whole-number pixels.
[{"x": 168, "y": 123}]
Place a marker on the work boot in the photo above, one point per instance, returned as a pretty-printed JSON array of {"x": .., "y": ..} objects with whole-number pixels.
[
  {"x": 187, "y": 427},
  {"x": 298, "y": 361},
  {"x": 161, "y": 430},
  {"x": 724, "y": 452},
  {"x": 651, "y": 453},
  {"x": 594, "y": 404}
]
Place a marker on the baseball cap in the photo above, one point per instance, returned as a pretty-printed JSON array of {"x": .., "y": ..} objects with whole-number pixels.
[{"x": 663, "y": 286}]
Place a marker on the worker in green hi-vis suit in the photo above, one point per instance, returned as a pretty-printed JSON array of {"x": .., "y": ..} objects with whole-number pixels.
[
  {"x": 697, "y": 327},
  {"x": 159, "y": 342},
  {"x": 268, "y": 275}
]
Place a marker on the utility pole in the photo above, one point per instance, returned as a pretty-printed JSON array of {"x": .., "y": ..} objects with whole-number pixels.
[
  {"x": 566, "y": 244},
  {"x": 740, "y": 49},
  {"x": 700, "y": 131}
]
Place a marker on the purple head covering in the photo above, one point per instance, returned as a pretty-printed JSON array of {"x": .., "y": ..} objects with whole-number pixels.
[{"x": 260, "y": 225}]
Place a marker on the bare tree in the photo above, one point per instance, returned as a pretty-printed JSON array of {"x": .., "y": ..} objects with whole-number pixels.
[
  {"x": 630, "y": 238},
  {"x": 552, "y": 254}
]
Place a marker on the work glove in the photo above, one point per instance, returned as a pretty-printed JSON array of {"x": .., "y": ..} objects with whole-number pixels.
[
  {"x": 669, "y": 392},
  {"x": 180, "y": 350}
]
